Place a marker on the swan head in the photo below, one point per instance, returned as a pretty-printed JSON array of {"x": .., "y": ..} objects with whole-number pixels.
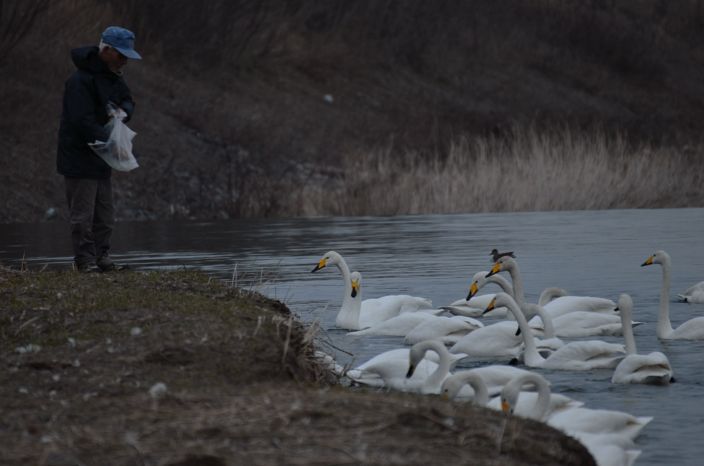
[
  {"x": 356, "y": 282},
  {"x": 503, "y": 264},
  {"x": 330, "y": 258},
  {"x": 478, "y": 281},
  {"x": 501, "y": 299},
  {"x": 658, "y": 257},
  {"x": 625, "y": 304}
]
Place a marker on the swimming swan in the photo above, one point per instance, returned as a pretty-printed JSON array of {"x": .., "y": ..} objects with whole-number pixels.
[
  {"x": 389, "y": 369},
  {"x": 576, "y": 355},
  {"x": 353, "y": 316},
  {"x": 694, "y": 294},
  {"x": 555, "y": 307},
  {"x": 452, "y": 385},
  {"x": 653, "y": 368},
  {"x": 474, "y": 305},
  {"x": 692, "y": 329},
  {"x": 445, "y": 329},
  {"x": 433, "y": 382}
]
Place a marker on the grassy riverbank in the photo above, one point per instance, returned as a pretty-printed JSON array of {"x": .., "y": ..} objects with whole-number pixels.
[{"x": 83, "y": 354}]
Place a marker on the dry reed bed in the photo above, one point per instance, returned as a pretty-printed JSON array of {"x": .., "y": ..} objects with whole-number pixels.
[{"x": 526, "y": 171}]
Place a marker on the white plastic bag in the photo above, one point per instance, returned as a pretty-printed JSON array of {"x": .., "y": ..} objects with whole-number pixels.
[{"x": 117, "y": 150}]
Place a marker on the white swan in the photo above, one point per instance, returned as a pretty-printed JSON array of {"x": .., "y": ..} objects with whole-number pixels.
[
  {"x": 603, "y": 432},
  {"x": 653, "y": 368},
  {"x": 445, "y": 329},
  {"x": 389, "y": 369},
  {"x": 581, "y": 324},
  {"x": 353, "y": 316},
  {"x": 555, "y": 307},
  {"x": 432, "y": 383},
  {"x": 576, "y": 355},
  {"x": 694, "y": 294},
  {"x": 452, "y": 384},
  {"x": 474, "y": 305},
  {"x": 493, "y": 376},
  {"x": 503, "y": 339},
  {"x": 692, "y": 329}
]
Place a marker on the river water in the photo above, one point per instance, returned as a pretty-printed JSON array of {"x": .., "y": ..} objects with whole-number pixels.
[{"x": 596, "y": 253}]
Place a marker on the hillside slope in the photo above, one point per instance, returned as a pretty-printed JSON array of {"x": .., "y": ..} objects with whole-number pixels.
[{"x": 242, "y": 103}]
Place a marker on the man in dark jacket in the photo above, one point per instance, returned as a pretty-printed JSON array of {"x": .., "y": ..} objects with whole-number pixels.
[{"x": 95, "y": 84}]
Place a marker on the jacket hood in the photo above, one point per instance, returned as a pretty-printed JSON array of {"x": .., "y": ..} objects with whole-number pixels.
[{"x": 87, "y": 59}]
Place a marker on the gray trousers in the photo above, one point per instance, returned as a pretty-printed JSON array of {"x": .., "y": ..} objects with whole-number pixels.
[{"x": 92, "y": 217}]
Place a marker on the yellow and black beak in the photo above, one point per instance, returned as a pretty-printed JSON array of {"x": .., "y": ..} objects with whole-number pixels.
[
  {"x": 494, "y": 270},
  {"x": 648, "y": 261},
  {"x": 444, "y": 396},
  {"x": 321, "y": 265},
  {"x": 473, "y": 289},
  {"x": 506, "y": 406},
  {"x": 411, "y": 370},
  {"x": 355, "y": 288},
  {"x": 490, "y": 307}
]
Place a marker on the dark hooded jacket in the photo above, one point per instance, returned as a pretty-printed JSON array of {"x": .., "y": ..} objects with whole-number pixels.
[{"x": 86, "y": 95}]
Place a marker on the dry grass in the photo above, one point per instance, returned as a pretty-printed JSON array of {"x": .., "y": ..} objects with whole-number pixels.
[
  {"x": 527, "y": 171},
  {"x": 242, "y": 386}
]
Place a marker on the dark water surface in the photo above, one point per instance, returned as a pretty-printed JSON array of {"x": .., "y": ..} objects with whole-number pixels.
[{"x": 596, "y": 253}]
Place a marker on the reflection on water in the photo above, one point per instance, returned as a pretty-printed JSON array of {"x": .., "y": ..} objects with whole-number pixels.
[{"x": 590, "y": 253}]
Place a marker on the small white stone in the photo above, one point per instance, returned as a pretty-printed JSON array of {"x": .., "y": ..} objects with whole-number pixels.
[
  {"x": 158, "y": 390},
  {"x": 56, "y": 377},
  {"x": 328, "y": 98},
  {"x": 135, "y": 331},
  {"x": 72, "y": 342},
  {"x": 76, "y": 363},
  {"x": 23, "y": 390}
]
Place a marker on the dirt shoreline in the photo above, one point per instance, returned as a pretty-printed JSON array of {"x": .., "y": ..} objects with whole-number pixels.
[{"x": 83, "y": 356}]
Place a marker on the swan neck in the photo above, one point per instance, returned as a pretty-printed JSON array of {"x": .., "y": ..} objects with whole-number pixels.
[
  {"x": 351, "y": 308},
  {"x": 502, "y": 282},
  {"x": 517, "y": 280},
  {"x": 481, "y": 393},
  {"x": 627, "y": 328},
  {"x": 435, "y": 379},
  {"x": 530, "y": 355},
  {"x": 542, "y": 404},
  {"x": 548, "y": 327},
  {"x": 664, "y": 325}
]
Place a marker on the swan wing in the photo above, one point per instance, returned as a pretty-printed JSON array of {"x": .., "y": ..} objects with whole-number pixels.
[
  {"x": 439, "y": 327},
  {"x": 496, "y": 340},
  {"x": 599, "y": 421},
  {"x": 586, "y": 355},
  {"x": 398, "y": 325},
  {"x": 692, "y": 329},
  {"x": 565, "y": 304},
  {"x": 653, "y": 368}
]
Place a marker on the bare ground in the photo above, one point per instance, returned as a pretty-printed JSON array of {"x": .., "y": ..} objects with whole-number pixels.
[{"x": 80, "y": 353}]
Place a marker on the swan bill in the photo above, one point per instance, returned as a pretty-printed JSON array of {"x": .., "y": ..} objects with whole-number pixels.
[
  {"x": 473, "y": 290},
  {"x": 321, "y": 265},
  {"x": 648, "y": 261},
  {"x": 411, "y": 370},
  {"x": 506, "y": 407},
  {"x": 491, "y": 306},
  {"x": 494, "y": 270},
  {"x": 355, "y": 288}
]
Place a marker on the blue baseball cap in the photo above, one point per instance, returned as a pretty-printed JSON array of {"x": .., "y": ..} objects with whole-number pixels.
[{"x": 122, "y": 40}]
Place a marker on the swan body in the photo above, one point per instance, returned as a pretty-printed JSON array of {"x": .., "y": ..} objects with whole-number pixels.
[
  {"x": 356, "y": 314},
  {"x": 398, "y": 325},
  {"x": 692, "y": 329},
  {"x": 474, "y": 305},
  {"x": 432, "y": 383},
  {"x": 452, "y": 384},
  {"x": 581, "y": 324},
  {"x": 492, "y": 341},
  {"x": 493, "y": 376},
  {"x": 446, "y": 329},
  {"x": 694, "y": 294},
  {"x": 607, "y": 435},
  {"x": 577, "y": 355},
  {"x": 653, "y": 368},
  {"x": 389, "y": 369}
]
